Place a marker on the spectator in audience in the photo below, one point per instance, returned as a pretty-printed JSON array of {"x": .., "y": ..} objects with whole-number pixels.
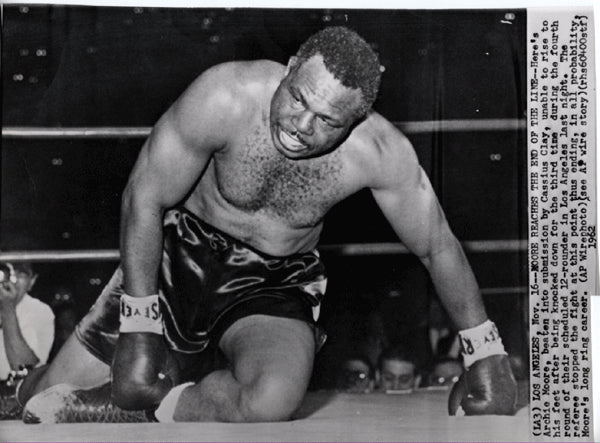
[
  {"x": 397, "y": 370},
  {"x": 26, "y": 323},
  {"x": 356, "y": 375},
  {"x": 445, "y": 372}
]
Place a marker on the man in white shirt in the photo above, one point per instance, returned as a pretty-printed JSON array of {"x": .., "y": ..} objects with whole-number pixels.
[{"x": 26, "y": 323}]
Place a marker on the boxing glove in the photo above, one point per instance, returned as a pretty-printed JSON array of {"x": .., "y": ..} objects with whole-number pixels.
[
  {"x": 143, "y": 370},
  {"x": 487, "y": 387}
]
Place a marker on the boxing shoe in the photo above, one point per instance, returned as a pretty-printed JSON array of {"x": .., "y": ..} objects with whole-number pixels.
[
  {"x": 10, "y": 408},
  {"x": 65, "y": 403}
]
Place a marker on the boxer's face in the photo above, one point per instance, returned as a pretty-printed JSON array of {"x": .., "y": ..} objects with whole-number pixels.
[{"x": 311, "y": 111}]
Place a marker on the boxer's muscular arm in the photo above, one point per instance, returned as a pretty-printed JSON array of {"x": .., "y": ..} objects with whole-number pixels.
[
  {"x": 170, "y": 162},
  {"x": 406, "y": 197}
]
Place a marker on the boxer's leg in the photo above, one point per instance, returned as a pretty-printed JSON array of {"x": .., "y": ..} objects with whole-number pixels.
[
  {"x": 74, "y": 364},
  {"x": 75, "y": 397},
  {"x": 83, "y": 362},
  {"x": 271, "y": 363},
  {"x": 85, "y": 357}
]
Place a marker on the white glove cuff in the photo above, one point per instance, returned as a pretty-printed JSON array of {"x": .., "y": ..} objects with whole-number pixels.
[
  {"x": 140, "y": 314},
  {"x": 480, "y": 342}
]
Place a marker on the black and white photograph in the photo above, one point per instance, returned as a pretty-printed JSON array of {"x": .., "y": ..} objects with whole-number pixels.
[{"x": 412, "y": 189}]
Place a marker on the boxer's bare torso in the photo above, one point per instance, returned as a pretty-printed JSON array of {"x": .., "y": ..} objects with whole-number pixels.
[{"x": 252, "y": 191}]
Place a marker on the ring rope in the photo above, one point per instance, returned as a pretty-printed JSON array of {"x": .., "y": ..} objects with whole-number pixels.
[
  {"x": 54, "y": 256},
  {"x": 409, "y": 127},
  {"x": 27, "y": 132},
  {"x": 481, "y": 246},
  {"x": 350, "y": 249},
  {"x": 505, "y": 290}
]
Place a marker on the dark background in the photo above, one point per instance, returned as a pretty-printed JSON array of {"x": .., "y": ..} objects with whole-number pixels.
[{"x": 89, "y": 66}]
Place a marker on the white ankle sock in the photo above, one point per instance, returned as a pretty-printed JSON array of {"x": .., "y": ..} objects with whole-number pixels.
[{"x": 166, "y": 409}]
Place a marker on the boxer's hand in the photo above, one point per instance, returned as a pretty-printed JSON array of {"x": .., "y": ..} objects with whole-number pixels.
[
  {"x": 143, "y": 371},
  {"x": 487, "y": 387}
]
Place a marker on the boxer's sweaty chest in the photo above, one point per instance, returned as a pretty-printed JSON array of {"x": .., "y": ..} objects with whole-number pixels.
[{"x": 256, "y": 177}]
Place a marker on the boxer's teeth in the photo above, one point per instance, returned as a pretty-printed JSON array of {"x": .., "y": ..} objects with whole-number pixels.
[{"x": 291, "y": 142}]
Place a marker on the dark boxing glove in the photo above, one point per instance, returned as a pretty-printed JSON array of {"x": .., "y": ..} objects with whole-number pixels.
[
  {"x": 143, "y": 370},
  {"x": 488, "y": 385}
]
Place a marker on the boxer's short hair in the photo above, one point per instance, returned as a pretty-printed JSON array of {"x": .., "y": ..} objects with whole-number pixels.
[{"x": 349, "y": 58}]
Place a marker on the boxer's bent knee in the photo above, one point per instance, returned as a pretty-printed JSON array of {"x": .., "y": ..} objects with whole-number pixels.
[{"x": 272, "y": 361}]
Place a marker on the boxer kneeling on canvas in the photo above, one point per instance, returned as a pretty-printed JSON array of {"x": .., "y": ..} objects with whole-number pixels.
[{"x": 254, "y": 154}]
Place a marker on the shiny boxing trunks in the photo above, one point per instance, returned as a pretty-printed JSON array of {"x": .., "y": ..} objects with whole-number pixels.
[{"x": 207, "y": 281}]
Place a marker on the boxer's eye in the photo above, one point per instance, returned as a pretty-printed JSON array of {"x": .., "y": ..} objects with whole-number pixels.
[{"x": 295, "y": 95}]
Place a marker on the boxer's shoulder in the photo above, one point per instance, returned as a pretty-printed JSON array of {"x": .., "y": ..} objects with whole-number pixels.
[
  {"x": 378, "y": 143},
  {"x": 382, "y": 134},
  {"x": 219, "y": 101},
  {"x": 239, "y": 81}
]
